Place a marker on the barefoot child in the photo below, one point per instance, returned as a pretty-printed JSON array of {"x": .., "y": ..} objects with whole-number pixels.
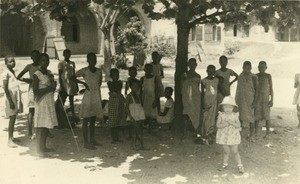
[
  {"x": 158, "y": 72},
  {"x": 166, "y": 117},
  {"x": 265, "y": 97},
  {"x": 209, "y": 88},
  {"x": 90, "y": 107},
  {"x": 135, "y": 114},
  {"x": 225, "y": 73},
  {"x": 132, "y": 72},
  {"x": 45, "y": 115},
  {"x": 296, "y": 100},
  {"x": 150, "y": 97},
  {"x": 68, "y": 88},
  {"x": 228, "y": 133},
  {"x": 246, "y": 96},
  {"x": 12, "y": 97},
  {"x": 116, "y": 105},
  {"x": 191, "y": 96},
  {"x": 31, "y": 69}
]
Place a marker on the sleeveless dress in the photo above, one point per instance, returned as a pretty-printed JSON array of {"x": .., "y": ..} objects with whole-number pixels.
[
  {"x": 136, "y": 110},
  {"x": 31, "y": 69},
  {"x": 148, "y": 97},
  {"x": 68, "y": 70},
  {"x": 229, "y": 135},
  {"x": 191, "y": 99},
  {"x": 14, "y": 92},
  {"x": 210, "y": 106},
  {"x": 262, "y": 110},
  {"x": 45, "y": 115}
]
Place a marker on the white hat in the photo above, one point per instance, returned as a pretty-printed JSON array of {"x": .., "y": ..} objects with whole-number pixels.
[{"x": 228, "y": 100}]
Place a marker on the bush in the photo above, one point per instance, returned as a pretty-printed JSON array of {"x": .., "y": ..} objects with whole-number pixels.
[
  {"x": 231, "y": 47},
  {"x": 163, "y": 46}
]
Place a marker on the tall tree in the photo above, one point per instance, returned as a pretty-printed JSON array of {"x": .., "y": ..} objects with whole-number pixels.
[{"x": 188, "y": 13}]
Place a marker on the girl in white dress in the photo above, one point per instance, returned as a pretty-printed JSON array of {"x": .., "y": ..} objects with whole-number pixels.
[{"x": 228, "y": 133}]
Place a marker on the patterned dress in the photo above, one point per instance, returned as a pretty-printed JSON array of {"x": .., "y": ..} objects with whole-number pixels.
[
  {"x": 225, "y": 84},
  {"x": 210, "y": 105},
  {"x": 91, "y": 101},
  {"x": 245, "y": 93},
  {"x": 14, "y": 92},
  {"x": 228, "y": 129},
  {"x": 262, "y": 109},
  {"x": 191, "y": 99},
  {"x": 31, "y": 69},
  {"x": 148, "y": 97},
  {"x": 45, "y": 115},
  {"x": 68, "y": 70}
]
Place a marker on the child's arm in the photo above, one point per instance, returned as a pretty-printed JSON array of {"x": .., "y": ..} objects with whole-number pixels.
[
  {"x": 79, "y": 73},
  {"x": 271, "y": 90},
  {"x": 100, "y": 77},
  {"x": 129, "y": 101},
  {"x": 232, "y": 73},
  {"x": 202, "y": 95},
  {"x": 169, "y": 104},
  {"x": 39, "y": 93},
  {"x": 156, "y": 100},
  {"x": 25, "y": 70},
  {"x": 255, "y": 83},
  {"x": 126, "y": 87},
  {"x": 6, "y": 91},
  {"x": 221, "y": 124},
  {"x": 296, "y": 83},
  {"x": 236, "y": 123},
  {"x": 60, "y": 71},
  {"x": 161, "y": 71},
  {"x": 141, "y": 89}
]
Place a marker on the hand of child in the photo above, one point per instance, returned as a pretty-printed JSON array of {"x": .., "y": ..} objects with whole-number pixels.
[
  {"x": 27, "y": 80},
  {"x": 11, "y": 104}
]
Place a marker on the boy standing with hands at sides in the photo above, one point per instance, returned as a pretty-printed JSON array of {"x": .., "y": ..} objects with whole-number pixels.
[
  {"x": 68, "y": 88},
  {"x": 12, "y": 97},
  {"x": 246, "y": 96},
  {"x": 224, "y": 74},
  {"x": 150, "y": 97},
  {"x": 265, "y": 97},
  {"x": 136, "y": 114},
  {"x": 31, "y": 69},
  {"x": 132, "y": 72},
  {"x": 91, "y": 102}
]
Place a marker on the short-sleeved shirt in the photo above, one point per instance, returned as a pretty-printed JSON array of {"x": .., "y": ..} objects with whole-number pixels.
[
  {"x": 225, "y": 82},
  {"x": 168, "y": 118}
]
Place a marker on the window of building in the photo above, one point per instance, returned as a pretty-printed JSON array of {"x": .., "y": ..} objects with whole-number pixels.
[
  {"x": 289, "y": 35},
  {"x": 70, "y": 30},
  {"x": 199, "y": 33},
  {"x": 235, "y": 29},
  {"x": 192, "y": 36},
  {"x": 212, "y": 33}
]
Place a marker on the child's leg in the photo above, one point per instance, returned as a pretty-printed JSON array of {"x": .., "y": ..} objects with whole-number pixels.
[
  {"x": 92, "y": 132},
  {"x": 71, "y": 99},
  {"x": 63, "y": 96},
  {"x": 139, "y": 134},
  {"x": 117, "y": 130},
  {"x": 85, "y": 130},
  {"x": 30, "y": 122},
  {"x": 185, "y": 122},
  {"x": 267, "y": 127},
  {"x": 11, "y": 127},
  {"x": 129, "y": 131},
  {"x": 226, "y": 155},
  {"x": 256, "y": 126},
  {"x": 45, "y": 134},
  {"x": 235, "y": 152},
  {"x": 298, "y": 114},
  {"x": 113, "y": 137},
  {"x": 39, "y": 139},
  {"x": 251, "y": 130}
]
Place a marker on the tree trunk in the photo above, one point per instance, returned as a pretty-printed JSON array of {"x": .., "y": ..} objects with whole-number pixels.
[
  {"x": 107, "y": 54},
  {"x": 183, "y": 29}
]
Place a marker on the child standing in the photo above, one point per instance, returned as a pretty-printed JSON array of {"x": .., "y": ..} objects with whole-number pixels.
[
  {"x": 158, "y": 72},
  {"x": 135, "y": 113},
  {"x": 265, "y": 97},
  {"x": 150, "y": 97},
  {"x": 246, "y": 96},
  {"x": 68, "y": 88},
  {"x": 12, "y": 97},
  {"x": 209, "y": 88},
  {"x": 296, "y": 100},
  {"x": 31, "y": 69},
  {"x": 116, "y": 105},
  {"x": 228, "y": 133},
  {"x": 132, "y": 72},
  {"x": 225, "y": 73},
  {"x": 45, "y": 115},
  {"x": 166, "y": 117},
  {"x": 191, "y": 96},
  {"x": 91, "y": 102}
]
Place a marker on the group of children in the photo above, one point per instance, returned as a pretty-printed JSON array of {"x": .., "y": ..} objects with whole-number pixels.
[{"x": 254, "y": 97}]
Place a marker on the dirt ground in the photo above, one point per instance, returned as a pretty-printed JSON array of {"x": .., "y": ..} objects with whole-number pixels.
[{"x": 170, "y": 159}]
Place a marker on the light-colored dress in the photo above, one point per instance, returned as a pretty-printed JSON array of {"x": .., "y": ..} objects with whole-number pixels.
[
  {"x": 245, "y": 93},
  {"x": 136, "y": 110},
  {"x": 148, "y": 97},
  {"x": 168, "y": 118},
  {"x": 210, "y": 106},
  {"x": 262, "y": 109},
  {"x": 91, "y": 101},
  {"x": 68, "y": 70},
  {"x": 31, "y": 70},
  {"x": 230, "y": 134},
  {"x": 296, "y": 100},
  {"x": 225, "y": 85},
  {"x": 191, "y": 99},
  {"x": 14, "y": 92},
  {"x": 157, "y": 73},
  {"x": 45, "y": 115}
]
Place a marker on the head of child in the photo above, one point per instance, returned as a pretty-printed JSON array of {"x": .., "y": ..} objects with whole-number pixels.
[
  {"x": 135, "y": 87},
  {"x": 155, "y": 57},
  {"x": 10, "y": 62},
  {"x": 228, "y": 104},
  {"x": 223, "y": 61},
  {"x": 67, "y": 54},
  {"x": 262, "y": 66},
  {"x": 44, "y": 60},
  {"x": 114, "y": 74},
  {"x": 247, "y": 67},
  {"x": 192, "y": 63},
  {"x": 132, "y": 72},
  {"x": 168, "y": 92},
  {"x": 211, "y": 70},
  {"x": 91, "y": 59},
  {"x": 148, "y": 69},
  {"x": 35, "y": 56}
]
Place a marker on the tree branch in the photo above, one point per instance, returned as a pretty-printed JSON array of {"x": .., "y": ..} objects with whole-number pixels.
[{"x": 204, "y": 18}]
